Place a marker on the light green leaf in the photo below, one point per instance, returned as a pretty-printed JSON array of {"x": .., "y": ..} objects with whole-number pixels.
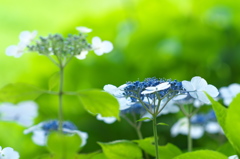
[
  {"x": 63, "y": 145},
  {"x": 99, "y": 156},
  {"x": 165, "y": 152},
  {"x": 100, "y": 102},
  {"x": 202, "y": 154},
  {"x": 121, "y": 149},
  {"x": 18, "y": 92},
  {"x": 220, "y": 111},
  {"x": 54, "y": 80},
  {"x": 145, "y": 118},
  {"x": 92, "y": 155},
  {"x": 233, "y": 123},
  {"x": 162, "y": 124}
]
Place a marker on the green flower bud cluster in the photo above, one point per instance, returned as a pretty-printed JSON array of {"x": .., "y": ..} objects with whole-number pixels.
[{"x": 61, "y": 47}]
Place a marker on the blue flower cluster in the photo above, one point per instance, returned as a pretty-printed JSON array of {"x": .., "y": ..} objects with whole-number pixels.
[
  {"x": 202, "y": 119},
  {"x": 134, "y": 89},
  {"x": 53, "y": 125}
]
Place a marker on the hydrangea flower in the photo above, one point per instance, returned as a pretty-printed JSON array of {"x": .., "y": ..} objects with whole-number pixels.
[
  {"x": 228, "y": 93},
  {"x": 15, "y": 50},
  {"x": 8, "y": 153},
  {"x": 181, "y": 127},
  {"x": 83, "y": 29},
  {"x": 196, "y": 88},
  {"x": 199, "y": 124},
  {"x": 23, "y": 113},
  {"x": 25, "y": 39},
  {"x": 100, "y": 47},
  {"x": 41, "y": 131},
  {"x": 159, "y": 87},
  {"x": 108, "y": 120}
]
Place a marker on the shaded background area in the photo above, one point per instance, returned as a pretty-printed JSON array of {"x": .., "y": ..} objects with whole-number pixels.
[{"x": 175, "y": 39}]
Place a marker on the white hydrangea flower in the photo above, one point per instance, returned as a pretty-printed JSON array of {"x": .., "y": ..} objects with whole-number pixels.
[
  {"x": 233, "y": 157},
  {"x": 213, "y": 127},
  {"x": 228, "y": 93},
  {"x": 8, "y": 153},
  {"x": 15, "y": 50},
  {"x": 26, "y": 36},
  {"x": 23, "y": 113},
  {"x": 196, "y": 88},
  {"x": 83, "y": 29},
  {"x": 157, "y": 88},
  {"x": 181, "y": 127},
  {"x": 82, "y": 55},
  {"x": 100, "y": 47}
]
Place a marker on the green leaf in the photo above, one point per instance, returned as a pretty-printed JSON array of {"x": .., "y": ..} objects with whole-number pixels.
[
  {"x": 63, "y": 145},
  {"x": 226, "y": 149},
  {"x": 121, "y": 149},
  {"x": 165, "y": 152},
  {"x": 17, "y": 92},
  {"x": 233, "y": 123},
  {"x": 220, "y": 111},
  {"x": 100, "y": 102},
  {"x": 202, "y": 154},
  {"x": 99, "y": 156},
  {"x": 145, "y": 118},
  {"x": 54, "y": 80},
  {"x": 162, "y": 124},
  {"x": 92, "y": 155}
]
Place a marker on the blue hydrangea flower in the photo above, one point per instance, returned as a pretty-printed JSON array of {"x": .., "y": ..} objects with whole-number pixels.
[
  {"x": 41, "y": 131},
  {"x": 228, "y": 93},
  {"x": 199, "y": 124}
]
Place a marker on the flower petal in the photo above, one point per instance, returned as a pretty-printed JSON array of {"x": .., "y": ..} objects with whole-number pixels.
[
  {"x": 106, "y": 46},
  {"x": 211, "y": 90},
  {"x": 108, "y": 120},
  {"x": 197, "y": 131},
  {"x": 198, "y": 83},
  {"x": 83, "y": 29},
  {"x": 82, "y": 55},
  {"x": 188, "y": 86}
]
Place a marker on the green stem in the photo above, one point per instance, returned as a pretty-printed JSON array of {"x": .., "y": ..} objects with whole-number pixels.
[
  {"x": 155, "y": 135},
  {"x": 60, "y": 99},
  {"x": 189, "y": 135}
]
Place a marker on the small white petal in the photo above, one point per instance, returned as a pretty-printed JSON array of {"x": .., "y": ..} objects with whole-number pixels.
[
  {"x": 82, "y": 55},
  {"x": 188, "y": 86},
  {"x": 9, "y": 153},
  {"x": 96, "y": 42},
  {"x": 203, "y": 98},
  {"x": 197, "y": 131},
  {"x": 108, "y": 120},
  {"x": 39, "y": 137},
  {"x": 107, "y": 46},
  {"x": 213, "y": 127},
  {"x": 211, "y": 90},
  {"x": 83, "y": 29},
  {"x": 233, "y": 157},
  {"x": 198, "y": 83}
]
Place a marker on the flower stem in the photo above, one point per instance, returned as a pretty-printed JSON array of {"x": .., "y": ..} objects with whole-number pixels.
[
  {"x": 60, "y": 98},
  {"x": 189, "y": 135},
  {"x": 155, "y": 135}
]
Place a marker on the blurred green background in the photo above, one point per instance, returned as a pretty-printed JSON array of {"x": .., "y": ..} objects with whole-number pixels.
[{"x": 175, "y": 39}]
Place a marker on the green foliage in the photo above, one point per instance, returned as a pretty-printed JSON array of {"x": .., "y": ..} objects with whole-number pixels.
[
  {"x": 63, "y": 145},
  {"x": 17, "y": 92},
  {"x": 145, "y": 118},
  {"x": 54, "y": 80},
  {"x": 202, "y": 154},
  {"x": 165, "y": 152},
  {"x": 229, "y": 120},
  {"x": 121, "y": 149},
  {"x": 220, "y": 111},
  {"x": 233, "y": 123},
  {"x": 99, "y": 102},
  {"x": 92, "y": 155},
  {"x": 226, "y": 149}
]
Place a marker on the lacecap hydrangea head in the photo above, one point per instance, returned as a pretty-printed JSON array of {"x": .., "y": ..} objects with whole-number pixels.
[{"x": 42, "y": 130}]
